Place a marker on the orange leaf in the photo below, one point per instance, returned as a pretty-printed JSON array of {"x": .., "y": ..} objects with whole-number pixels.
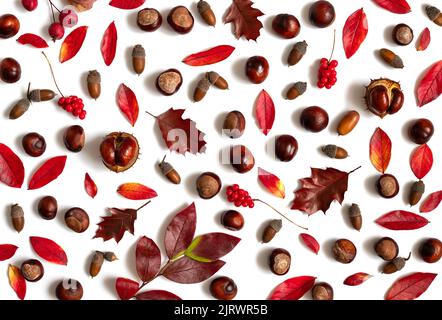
[
  {"x": 136, "y": 191},
  {"x": 72, "y": 44},
  {"x": 128, "y": 104},
  {"x": 380, "y": 150},
  {"x": 16, "y": 281},
  {"x": 272, "y": 183}
]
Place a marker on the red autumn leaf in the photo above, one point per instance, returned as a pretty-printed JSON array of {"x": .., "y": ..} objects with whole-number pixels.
[
  {"x": 245, "y": 19},
  {"x": 410, "y": 287},
  {"x": 395, "y": 6},
  {"x": 128, "y": 104},
  {"x": 187, "y": 271},
  {"x": 90, "y": 186},
  {"x": 48, "y": 172},
  {"x": 33, "y": 40},
  {"x": 421, "y": 161},
  {"x": 424, "y": 40},
  {"x": 7, "y": 251},
  {"x": 148, "y": 259},
  {"x": 265, "y": 112},
  {"x": 211, "y": 246},
  {"x": 72, "y": 43},
  {"x": 109, "y": 44},
  {"x": 17, "y": 282},
  {"x": 126, "y": 4},
  {"x": 401, "y": 220},
  {"x": 126, "y": 288},
  {"x": 136, "y": 191},
  {"x": 380, "y": 150},
  {"x": 357, "y": 279},
  {"x": 431, "y": 202},
  {"x": 180, "y": 231},
  {"x": 272, "y": 183},
  {"x": 310, "y": 242},
  {"x": 293, "y": 288},
  {"x": 157, "y": 295},
  {"x": 354, "y": 32},
  {"x": 12, "y": 171},
  {"x": 49, "y": 250},
  {"x": 319, "y": 191},
  {"x": 430, "y": 87},
  {"x": 180, "y": 135},
  {"x": 211, "y": 56}
]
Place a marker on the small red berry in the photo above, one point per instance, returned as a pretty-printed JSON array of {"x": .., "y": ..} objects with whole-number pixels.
[
  {"x": 324, "y": 80},
  {"x": 334, "y": 63},
  {"x": 235, "y": 187},
  {"x": 320, "y": 84},
  {"x": 328, "y": 85},
  {"x": 251, "y": 204},
  {"x": 324, "y": 60},
  {"x": 30, "y": 5},
  {"x": 237, "y": 203},
  {"x": 76, "y": 112},
  {"x": 229, "y": 192},
  {"x": 56, "y": 31},
  {"x": 69, "y": 108},
  {"x": 82, "y": 116}
]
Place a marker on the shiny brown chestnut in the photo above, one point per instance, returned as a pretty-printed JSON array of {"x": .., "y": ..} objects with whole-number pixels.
[
  {"x": 77, "y": 219},
  {"x": 32, "y": 270},
  {"x": 384, "y": 96},
  {"x": 232, "y": 220},
  {"x": 322, "y": 291},
  {"x": 286, "y": 25},
  {"x": 208, "y": 185},
  {"x": 47, "y": 207},
  {"x": 421, "y": 131},
  {"x": 234, "y": 124},
  {"x": 257, "y": 69},
  {"x": 223, "y": 288},
  {"x": 322, "y": 14},
  {"x": 431, "y": 250},
  {"x": 280, "y": 261},
  {"x": 387, "y": 186},
  {"x": 33, "y": 144},
  {"x": 74, "y": 138},
  {"x": 386, "y": 248},
  {"x": 286, "y": 147},
  {"x": 9, "y": 26},
  {"x": 69, "y": 290},
  {"x": 402, "y": 34},
  {"x": 119, "y": 151},
  {"x": 344, "y": 251},
  {"x": 10, "y": 70},
  {"x": 241, "y": 159},
  {"x": 314, "y": 119},
  {"x": 180, "y": 19},
  {"x": 169, "y": 82},
  {"x": 149, "y": 19}
]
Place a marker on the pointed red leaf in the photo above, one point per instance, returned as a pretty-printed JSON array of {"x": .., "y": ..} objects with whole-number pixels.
[
  {"x": 395, "y": 6},
  {"x": 128, "y": 104},
  {"x": 431, "y": 202},
  {"x": 187, "y": 271},
  {"x": 12, "y": 171},
  {"x": 265, "y": 112},
  {"x": 410, "y": 287},
  {"x": 48, "y": 172},
  {"x": 401, "y": 220},
  {"x": 126, "y": 4},
  {"x": 90, "y": 186},
  {"x": 109, "y": 44},
  {"x": 244, "y": 18},
  {"x": 126, "y": 288},
  {"x": 354, "y": 33},
  {"x": 357, "y": 279},
  {"x": 33, "y": 40},
  {"x": 148, "y": 259},
  {"x": 49, "y": 250},
  {"x": 380, "y": 150},
  {"x": 293, "y": 288},
  {"x": 424, "y": 40},
  {"x": 136, "y": 191},
  {"x": 17, "y": 282},
  {"x": 72, "y": 44},
  {"x": 421, "y": 161},
  {"x": 211, "y": 56},
  {"x": 272, "y": 183},
  {"x": 211, "y": 246},
  {"x": 7, "y": 251},
  {"x": 310, "y": 242},
  {"x": 157, "y": 295},
  {"x": 430, "y": 87}
]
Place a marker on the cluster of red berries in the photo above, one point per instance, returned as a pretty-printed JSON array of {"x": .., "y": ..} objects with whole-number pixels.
[
  {"x": 327, "y": 73},
  {"x": 74, "y": 105},
  {"x": 239, "y": 197}
]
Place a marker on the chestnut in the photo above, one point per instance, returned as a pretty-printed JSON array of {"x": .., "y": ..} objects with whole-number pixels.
[
  {"x": 10, "y": 70},
  {"x": 169, "y": 82},
  {"x": 421, "y": 131},
  {"x": 234, "y": 124},
  {"x": 223, "y": 288},
  {"x": 257, "y": 69},
  {"x": 314, "y": 119},
  {"x": 322, "y": 14},
  {"x": 33, "y": 144},
  {"x": 280, "y": 261},
  {"x": 322, "y": 291},
  {"x": 344, "y": 251},
  {"x": 9, "y": 26},
  {"x": 77, "y": 219},
  {"x": 47, "y": 207},
  {"x": 180, "y": 19},
  {"x": 208, "y": 185},
  {"x": 119, "y": 151},
  {"x": 386, "y": 248},
  {"x": 384, "y": 96},
  {"x": 402, "y": 34},
  {"x": 149, "y": 19},
  {"x": 431, "y": 250},
  {"x": 387, "y": 186},
  {"x": 241, "y": 159},
  {"x": 32, "y": 270},
  {"x": 286, "y": 147},
  {"x": 69, "y": 290},
  {"x": 232, "y": 220},
  {"x": 73, "y": 138},
  {"x": 286, "y": 25}
]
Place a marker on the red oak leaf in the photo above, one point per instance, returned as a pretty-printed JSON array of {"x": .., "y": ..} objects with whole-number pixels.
[{"x": 245, "y": 19}]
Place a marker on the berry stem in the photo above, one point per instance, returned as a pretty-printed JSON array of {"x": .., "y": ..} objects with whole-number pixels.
[
  {"x": 52, "y": 73},
  {"x": 334, "y": 42},
  {"x": 144, "y": 205},
  {"x": 280, "y": 213}
]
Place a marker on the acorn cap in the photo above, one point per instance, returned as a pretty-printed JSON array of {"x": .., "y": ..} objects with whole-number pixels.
[
  {"x": 203, "y": 6},
  {"x": 213, "y": 76},
  {"x": 330, "y": 150},
  {"x": 165, "y": 167},
  {"x": 354, "y": 211},
  {"x": 34, "y": 95},
  {"x": 110, "y": 256},
  {"x": 94, "y": 77},
  {"x": 276, "y": 225},
  {"x": 418, "y": 186},
  {"x": 16, "y": 211},
  {"x": 204, "y": 84},
  {"x": 432, "y": 12},
  {"x": 301, "y": 47},
  {"x": 138, "y": 51},
  {"x": 301, "y": 87}
]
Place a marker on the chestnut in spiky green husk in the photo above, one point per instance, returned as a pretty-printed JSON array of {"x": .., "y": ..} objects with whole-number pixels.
[
  {"x": 119, "y": 151},
  {"x": 384, "y": 96}
]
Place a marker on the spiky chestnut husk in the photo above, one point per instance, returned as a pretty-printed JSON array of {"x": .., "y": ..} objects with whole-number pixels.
[{"x": 384, "y": 96}]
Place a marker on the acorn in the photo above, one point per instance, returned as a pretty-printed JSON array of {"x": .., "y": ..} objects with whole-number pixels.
[
  {"x": 296, "y": 90},
  {"x": 434, "y": 14},
  {"x": 348, "y": 122},
  {"x": 110, "y": 256},
  {"x": 96, "y": 263},
  {"x": 19, "y": 109},
  {"x": 395, "y": 265},
  {"x": 206, "y": 13},
  {"x": 17, "y": 217},
  {"x": 94, "y": 84},
  {"x": 39, "y": 95},
  {"x": 416, "y": 192},
  {"x": 391, "y": 58},
  {"x": 201, "y": 89},
  {"x": 298, "y": 51},
  {"x": 355, "y": 216},
  {"x": 218, "y": 81},
  {"x": 271, "y": 230},
  {"x": 334, "y": 152},
  {"x": 138, "y": 59},
  {"x": 169, "y": 172}
]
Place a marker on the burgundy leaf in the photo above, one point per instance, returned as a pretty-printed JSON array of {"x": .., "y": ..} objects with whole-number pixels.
[
  {"x": 157, "y": 295},
  {"x": 109, "y": 44},
  {"x": 310, "y": 242},
  {"x": 244, "y": 18},
  {"x": 410, "y": 287},
  {"x": 265, "y": 112},
  {"x": 126, "y": 4},
  {"x": 354, "y": 33},
  {"x": 115, "y": 225},
  {"x": 48, "y": 172},
  {"x": 293, "y": 288},
  {"x": 33, "y": 40},
  {"x": 128, "y": 104},
  {"x": 401, "y": 220},
  {"x": 430, "y": 87},
  {"x": 211, "y": 246},
  {"x": 90, "y": 186},
  {"x": 211, "y": 56},
  {"x": 186, "y": 270},
  {"x": 357, "y": 279},
  {"x": 12, "y": 171},
  {"x": 126, "y": 288},
  {"x": 421, "y": 161},
  {"x": 424, "y": 40},
  {"x": 431, "y": 202},
  {"x": 148, "y": 259},
  {"x": 49, "y": 250},
  {"x": 7, "y": 251},
  {"x": 395, "y": 6}
]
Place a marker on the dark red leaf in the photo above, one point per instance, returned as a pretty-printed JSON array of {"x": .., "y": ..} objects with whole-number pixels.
[
  {"x": 128, "y": 104},
  {"x": 33, "y": 40},
  {"x": 49, "y": 250},
  {"x": 410, "y": 287},
  {"x": 90, "y": 186},
  {"x": 211, "y": 56},
  {"x": 12, "y": 171},
  {"x": 271, "y": 183},
  {"x": 180, "y": 231},
  {"x": 17, "y": 282},
  {"x": 293, "y": 288},
  {"x": 126, "y": 4},
  {"x": 431, "y": 202},
  {"x": 72, "y": 43},
  {"x": 126, "y": 288},
  {"x": 157, "y": 295},
  {"x": 401, "y": 220},
  {"x": 380, "y": 150},
  {"x": 245, "y": 19},
  {"x": 48, "y": 172},
  {"x": 186, "y": 270},
  {"x": 109, "y": 44},
  {"x": 148, "y": 259},
  {"x": 430, "y": 87},
  {"x": 310, "y": 242},
  {"x": 424, "y": 40},
  {"x": 265, "y": 112},
  {"x": 7, "y": 251},
  {"x": 421, "y": 161},
  {"x": 136, "y": 191},
  {"x": 395, "y": 6},
  {"x": 115, "y": 225},
  {"x": 354, "y": 33},
  {"x": 211, "y": 246},
  {"x": 357, "y": 279}
]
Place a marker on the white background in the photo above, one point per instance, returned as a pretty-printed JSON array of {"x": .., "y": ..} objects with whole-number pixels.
[{"x": 247, "y": 264}]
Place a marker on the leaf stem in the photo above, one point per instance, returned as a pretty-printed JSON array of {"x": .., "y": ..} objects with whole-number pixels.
[
  {"x": 52, "y": 73},
  {"x": 355, "y": 170},
  {"x": 144, "y": 205},
  {"x": 280, "y": 213},
  {"x": 29, "y": 90},
  {"x": 151, "y": 114},
  {"x": 334, "y": 42}
]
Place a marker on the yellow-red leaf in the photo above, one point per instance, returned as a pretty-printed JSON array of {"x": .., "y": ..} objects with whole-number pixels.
[
  {"x": 424, "y": 40},
  {"x": 357, "y": 279},
  {"x": 380, "y": 150},
  {"x": 128, "y": 103},
  {"x": 271, "y": 183},
  {"x": 17, "y": 282},
  {"x": 72, "y": 44},
  {"x": 136, "y": 191}
]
